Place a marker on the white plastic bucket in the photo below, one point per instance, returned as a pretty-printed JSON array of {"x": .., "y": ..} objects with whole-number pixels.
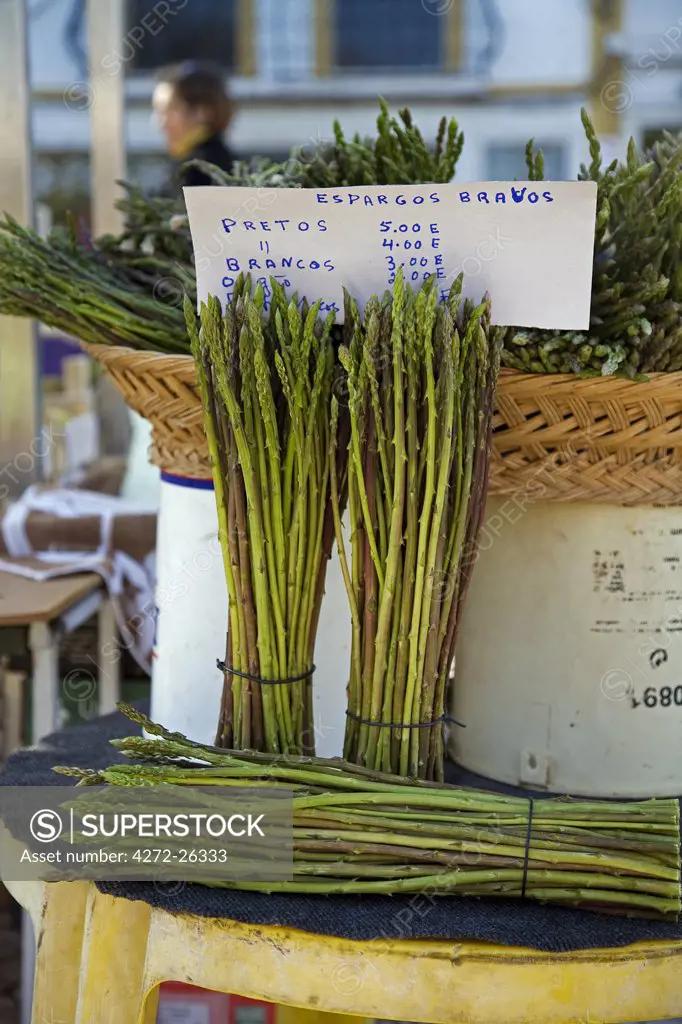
[
  {"x": 569, "y": 661},
  {"x": 191, "y": 610}
]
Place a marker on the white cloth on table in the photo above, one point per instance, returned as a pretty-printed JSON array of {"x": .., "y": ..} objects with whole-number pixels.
[{"x": 130, "y": 584}]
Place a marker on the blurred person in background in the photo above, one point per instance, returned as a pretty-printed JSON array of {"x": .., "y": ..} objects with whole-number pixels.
[{"x": 194, "y": 111}]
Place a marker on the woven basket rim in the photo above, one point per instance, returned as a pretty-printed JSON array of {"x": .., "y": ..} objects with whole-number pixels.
[
  {"x": 132, "y": 357},
  {"x": 556, "y": 382},
  {"x": 560, "y": 382},
  {"x": 135, "y": 364}
]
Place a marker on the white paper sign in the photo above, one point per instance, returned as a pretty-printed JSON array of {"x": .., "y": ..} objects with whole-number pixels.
[{"x": 529, "y": 244}]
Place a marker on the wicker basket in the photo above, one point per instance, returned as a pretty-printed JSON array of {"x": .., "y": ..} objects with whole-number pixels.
[
  {"x": 605, "y": 439},
  {"x": 556, "y": 437},
  {"x": 163, "y": 389}
]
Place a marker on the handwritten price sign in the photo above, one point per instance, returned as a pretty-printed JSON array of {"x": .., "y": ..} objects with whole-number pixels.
[{"x": 527, "y": 243}]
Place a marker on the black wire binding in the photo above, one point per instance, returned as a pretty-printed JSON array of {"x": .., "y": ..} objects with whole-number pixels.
[
  {"x": 224, "y": 667},
  {"x": 401, "y": 725},
  {"x": 527, "y": 851}
]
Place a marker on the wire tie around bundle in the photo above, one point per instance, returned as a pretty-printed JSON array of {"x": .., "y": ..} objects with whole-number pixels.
[
  {"x": 405, "y": 725},
  {"x": 224, "y": 667}
]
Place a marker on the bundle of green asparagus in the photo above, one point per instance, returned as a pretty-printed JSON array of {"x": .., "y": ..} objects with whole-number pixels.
[
  {"x": 155, "y": 246},
  {"x": 70, "y": 284},
  {"x": 398, "y": 156},
  {"x": 124, "y": 289},
  {"x": 636, "y": 316},
  {"x": 358, "y": 831},
  {"x": 266, "y": 380},
  {"x": 420, "y": 380}
]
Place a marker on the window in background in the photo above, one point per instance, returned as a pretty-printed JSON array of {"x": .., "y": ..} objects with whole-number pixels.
[
  {"x": 507, "y": 161},
  {"x": 386, "y": 34},
  {"x": 375, "y": 36},
  {"x": 200, "y": 30}
]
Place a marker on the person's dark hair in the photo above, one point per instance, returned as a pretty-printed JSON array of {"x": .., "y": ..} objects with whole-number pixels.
[{"x": 202, "y": 85}]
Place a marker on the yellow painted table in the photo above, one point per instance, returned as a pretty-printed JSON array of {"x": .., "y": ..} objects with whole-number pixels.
[{"x": 101, "y": 959}]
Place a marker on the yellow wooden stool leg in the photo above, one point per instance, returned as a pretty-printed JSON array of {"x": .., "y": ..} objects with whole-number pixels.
[
  {"x": 151, "y": 1007},
  {"x": 58, "y": 914},
  {"x": 113, "y": 985}
]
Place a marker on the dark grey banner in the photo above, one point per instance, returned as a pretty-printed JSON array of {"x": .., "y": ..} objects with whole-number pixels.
[{"x": 146, "y": 833}]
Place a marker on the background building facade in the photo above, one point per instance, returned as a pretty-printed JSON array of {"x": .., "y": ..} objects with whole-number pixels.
[{"x": 507, "y": 69}]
